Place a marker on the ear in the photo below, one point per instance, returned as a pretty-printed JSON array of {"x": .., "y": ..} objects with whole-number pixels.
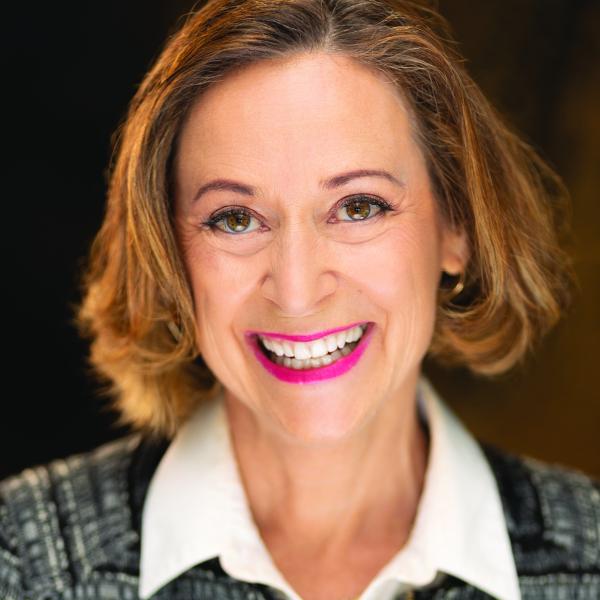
[{"x": 455, "y": 251}]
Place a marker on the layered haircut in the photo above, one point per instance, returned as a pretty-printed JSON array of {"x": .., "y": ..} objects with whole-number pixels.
[{"x": 137, "y": 305}]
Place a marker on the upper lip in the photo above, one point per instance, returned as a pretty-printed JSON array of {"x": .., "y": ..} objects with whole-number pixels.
[{"x": 305, "y": 337}]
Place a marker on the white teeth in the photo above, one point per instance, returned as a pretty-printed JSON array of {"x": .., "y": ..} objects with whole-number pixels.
[
  {"x": 315, "y": 349},
  {"x": 301, "y": 350},
  {"x": 318, "y": 348},
  {"x": 354, "y": 334},
  {"x": 331, "y": 342},
  {"x": 277, "y": 348},
  {"x": 335, "y": 355},
  {"x": 314, "y": 363}
]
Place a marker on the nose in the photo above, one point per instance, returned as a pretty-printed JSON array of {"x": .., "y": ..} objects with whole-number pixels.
[{"x": 301, "y": 274}]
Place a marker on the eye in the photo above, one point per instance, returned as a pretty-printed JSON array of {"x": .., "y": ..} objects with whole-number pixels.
[
  {"x": 233, "y": 221},
  {"x": 361, "y": 208}
]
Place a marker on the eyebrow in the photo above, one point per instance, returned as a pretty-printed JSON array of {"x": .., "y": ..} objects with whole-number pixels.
[{"x": 326, "y": 184}]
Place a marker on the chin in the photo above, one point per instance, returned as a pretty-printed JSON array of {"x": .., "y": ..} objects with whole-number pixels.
[{"x": 312, "y": 421}]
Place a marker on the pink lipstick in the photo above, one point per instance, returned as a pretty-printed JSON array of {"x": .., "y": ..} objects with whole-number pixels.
[{"x": 311, "y": 375}]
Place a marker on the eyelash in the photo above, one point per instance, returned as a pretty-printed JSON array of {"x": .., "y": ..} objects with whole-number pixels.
[{"x": 213, "y": 220}]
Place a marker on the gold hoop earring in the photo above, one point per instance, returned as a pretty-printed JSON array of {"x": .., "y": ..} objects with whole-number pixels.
[{"x": 451, "y": 293}]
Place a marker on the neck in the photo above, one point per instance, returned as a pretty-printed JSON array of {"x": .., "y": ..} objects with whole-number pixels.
[{"x": 365, "y": 487}]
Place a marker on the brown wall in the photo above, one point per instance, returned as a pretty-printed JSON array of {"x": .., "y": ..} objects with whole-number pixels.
[{"x": 539, "y": 62}]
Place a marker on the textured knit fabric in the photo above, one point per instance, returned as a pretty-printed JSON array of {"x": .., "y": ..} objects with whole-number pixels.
[
  {"x": 71, "y": 530},
  {"x": 196, "y": 509}
]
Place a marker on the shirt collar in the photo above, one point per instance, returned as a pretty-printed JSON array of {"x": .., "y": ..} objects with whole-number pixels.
[{"x": 196, "y": 509}]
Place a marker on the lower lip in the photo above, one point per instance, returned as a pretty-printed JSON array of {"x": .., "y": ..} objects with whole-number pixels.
[{"x": 341, "y": 366}]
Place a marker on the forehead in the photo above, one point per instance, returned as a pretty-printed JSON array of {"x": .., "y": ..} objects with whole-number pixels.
[{"x": 304, "y": 113}]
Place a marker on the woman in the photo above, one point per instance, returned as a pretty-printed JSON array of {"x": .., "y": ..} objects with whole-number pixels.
[{"x": 309, "y": 196}]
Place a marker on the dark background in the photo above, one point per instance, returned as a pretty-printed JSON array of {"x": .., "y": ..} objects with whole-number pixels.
[{"x": 68, "y": 74}]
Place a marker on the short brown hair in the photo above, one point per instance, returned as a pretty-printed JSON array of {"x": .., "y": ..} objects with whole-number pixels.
[{"x": 487, "y": 182}]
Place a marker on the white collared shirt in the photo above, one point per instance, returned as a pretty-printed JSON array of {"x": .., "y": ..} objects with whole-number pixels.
[{"x": 196, "y": 509}]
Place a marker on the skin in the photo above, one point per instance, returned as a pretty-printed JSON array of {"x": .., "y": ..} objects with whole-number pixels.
[{"x": 332, "y": 469}]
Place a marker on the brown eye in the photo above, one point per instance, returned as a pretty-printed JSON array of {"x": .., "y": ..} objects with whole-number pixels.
[
  {"x": 234, "y": 221},
  {"x": 358, "y": 209},
  {"x": 237, "y": 221}
]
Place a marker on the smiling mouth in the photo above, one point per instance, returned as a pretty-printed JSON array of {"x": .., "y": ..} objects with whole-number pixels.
[{"x": 312, "y": 355}]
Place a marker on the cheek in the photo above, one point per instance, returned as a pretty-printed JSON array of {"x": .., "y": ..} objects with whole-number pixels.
[
  {"x": 220, "y": 285},
  {"x": 399, "y": 274},
  {"x": 400, "y": 268}
]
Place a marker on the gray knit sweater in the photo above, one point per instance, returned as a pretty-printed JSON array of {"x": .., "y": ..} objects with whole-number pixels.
[{"x": 71, "y": 530}]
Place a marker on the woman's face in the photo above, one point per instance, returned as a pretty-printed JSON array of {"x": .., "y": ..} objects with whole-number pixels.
[{"x": 303, "y": 206}]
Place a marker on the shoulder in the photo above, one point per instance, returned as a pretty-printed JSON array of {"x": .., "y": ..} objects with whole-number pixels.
[
  {"x": 60, "y": 520},
  {"x": 553, "y": 518}
]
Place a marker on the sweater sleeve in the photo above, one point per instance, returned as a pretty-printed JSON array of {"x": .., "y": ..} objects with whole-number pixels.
[
  {"x": 65, "y": 528},
  {"x": 11, "y": 578}
]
